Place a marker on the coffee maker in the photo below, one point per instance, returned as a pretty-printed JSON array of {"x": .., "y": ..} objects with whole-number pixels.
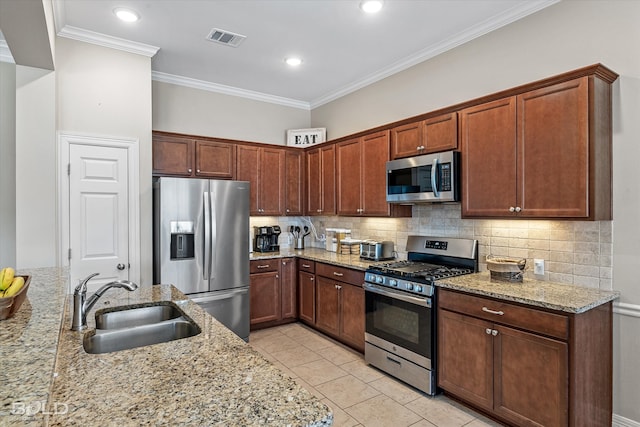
[{"x": 265, "y": 239}]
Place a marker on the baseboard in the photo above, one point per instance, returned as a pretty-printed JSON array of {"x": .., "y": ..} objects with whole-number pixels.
[{"x": 619, "y": 421}]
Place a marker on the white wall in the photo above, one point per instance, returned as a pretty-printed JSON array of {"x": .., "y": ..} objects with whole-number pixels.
[
  {"x": 563, "y": 37},
  {"x": 36, "y": 220},
  {"x": 198, "y": 112},
  {"x": 107, "y": 92},
  {"x": 7, "y": 164}
]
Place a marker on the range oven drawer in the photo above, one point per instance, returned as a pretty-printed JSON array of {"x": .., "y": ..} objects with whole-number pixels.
[{"x": 414, "y": 375}]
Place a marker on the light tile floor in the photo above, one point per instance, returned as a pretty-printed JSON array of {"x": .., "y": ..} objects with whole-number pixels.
[{"x": 358, "y": 394}]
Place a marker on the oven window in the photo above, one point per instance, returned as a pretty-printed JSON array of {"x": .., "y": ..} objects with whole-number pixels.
[{"x": 404, "y": 324}]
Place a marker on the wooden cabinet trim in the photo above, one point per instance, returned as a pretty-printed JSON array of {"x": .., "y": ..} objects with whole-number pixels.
[{"x": 263, "y": 265}]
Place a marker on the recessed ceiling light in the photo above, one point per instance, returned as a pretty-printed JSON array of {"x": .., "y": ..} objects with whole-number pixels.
[
  {"x": 371, "y": 6},
  {"x": 126, "y": 15},
  {"x": 293, "y": 61}
]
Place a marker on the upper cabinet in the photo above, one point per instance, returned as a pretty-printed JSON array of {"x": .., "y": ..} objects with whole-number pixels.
[
  {"x": 294, "y": 172},
  {"x": 544, "y": 153},
  {"x": 264, "y": 168},
  {"x": 362, "y": 178},
  {"x": 432, "y": 135},
  {"x": 321, "y": 181},
  {"x": 175, "y": 155}
]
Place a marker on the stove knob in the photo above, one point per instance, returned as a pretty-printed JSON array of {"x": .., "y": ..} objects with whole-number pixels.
[
  {"x": 379, "y": 279},
  {"x": 393, "y": 282},
  {"x": 371, "y": 277},
  {"x": 409, "y": 286},
  {"x": 418, "y": 288}
]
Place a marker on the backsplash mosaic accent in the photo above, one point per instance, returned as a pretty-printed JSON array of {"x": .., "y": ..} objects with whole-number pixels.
[{"x": 574, "y": 252}]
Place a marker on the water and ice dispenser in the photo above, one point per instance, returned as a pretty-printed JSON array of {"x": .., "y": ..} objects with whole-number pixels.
[{"x": 182, "y": 240}]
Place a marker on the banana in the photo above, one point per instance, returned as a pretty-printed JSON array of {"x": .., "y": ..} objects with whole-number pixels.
[
  {"x": 6, "y": 277},
  {"x": 14, "y": 288}
]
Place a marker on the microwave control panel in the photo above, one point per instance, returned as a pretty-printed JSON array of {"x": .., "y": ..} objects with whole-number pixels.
[{"x": 445, "y": 177}]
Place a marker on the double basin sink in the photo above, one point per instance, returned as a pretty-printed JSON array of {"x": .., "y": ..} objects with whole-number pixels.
[{"x": 127, "y": 327}]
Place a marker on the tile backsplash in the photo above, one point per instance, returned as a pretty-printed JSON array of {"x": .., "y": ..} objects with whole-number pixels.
[{"x": 574, "y": 252}]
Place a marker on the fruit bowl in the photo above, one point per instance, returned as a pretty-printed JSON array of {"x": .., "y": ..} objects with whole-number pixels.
[{"x": 9, "y": 305}]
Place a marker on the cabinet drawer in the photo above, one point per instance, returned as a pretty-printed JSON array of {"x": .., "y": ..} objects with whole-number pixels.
[
  {"x": 306, "y": 265},
  {"x": 262, "y": 265},
  {"x": 341, "y": 274},
  {"x": 551, "y": 324}
]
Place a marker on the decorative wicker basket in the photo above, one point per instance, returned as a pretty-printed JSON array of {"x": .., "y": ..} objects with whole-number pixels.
[
  {"x": 506, "y": 269},
  {"x": 9, "y": 305}
]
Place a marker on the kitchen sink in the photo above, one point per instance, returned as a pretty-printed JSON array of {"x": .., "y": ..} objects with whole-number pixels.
[
  {"x": 124, "y": 328},
  {"x": 128, "y": 316}
]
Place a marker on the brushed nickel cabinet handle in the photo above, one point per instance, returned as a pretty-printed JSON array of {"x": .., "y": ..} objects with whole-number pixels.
[
  {"x": 488, "y": 331},
  {"x": 335, "y": 273},
  {"x": 306, "y": 265},
  {"x": 494, "y": 332},
  {"x": 263, "y": 266},
  {"x": 487, "y": 310}
]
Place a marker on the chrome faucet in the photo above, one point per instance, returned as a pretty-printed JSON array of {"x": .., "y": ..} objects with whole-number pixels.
[{"x": 81, "y": 305}]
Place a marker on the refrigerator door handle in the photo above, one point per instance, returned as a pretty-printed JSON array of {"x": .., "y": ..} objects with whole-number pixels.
[
  {"x": 206, "y": 264},
  {"x": 220, "y": 295},
  {"x": 214, "y": 238}
]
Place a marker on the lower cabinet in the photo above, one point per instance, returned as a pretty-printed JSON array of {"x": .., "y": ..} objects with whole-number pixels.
[
  {"x": 340, "y": 308},
  {"x": 306, "y": 291},
  {"x": 272, "y": 289},
  {"x": 525, "y": 366}
]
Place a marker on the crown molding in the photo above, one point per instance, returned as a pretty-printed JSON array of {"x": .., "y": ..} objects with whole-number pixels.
[
  {"x": 228, "y": 90},
  {"x": 107, "y": 41},
  {"x": 474, "y": 32},
  {"x": 5, "y": 53}
]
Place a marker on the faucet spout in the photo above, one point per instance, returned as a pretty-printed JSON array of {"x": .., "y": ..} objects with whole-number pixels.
[{"x": 82, "y": 305}]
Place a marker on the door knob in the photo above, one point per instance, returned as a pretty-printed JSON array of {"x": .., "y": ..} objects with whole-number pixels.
[{"x": 120, "y": 266}]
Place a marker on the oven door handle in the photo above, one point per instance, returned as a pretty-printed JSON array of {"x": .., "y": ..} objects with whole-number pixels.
[{"x": 425, "y": 302}]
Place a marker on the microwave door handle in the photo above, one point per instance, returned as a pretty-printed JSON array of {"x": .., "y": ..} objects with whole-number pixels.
[{"x": 434, "y": 171}]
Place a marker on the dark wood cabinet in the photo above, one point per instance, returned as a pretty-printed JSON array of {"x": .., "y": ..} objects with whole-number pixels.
[
  {"x": 340, "y": 310},
  {"x": 523, "y": 365},
  {"x": 215, "y": 160},
  {"x": 321, "y": 181},
  {"x": 545, "y": 153},
  {"x": 362, "y": 179},
  {"x": 184, "y": 156},
  {"x": 172, "y": 156},
  {"x": 294, "y": 174},
  {"x": 273, "y": 292},
  {"x": 306, "y": 291},
  {"x": 264, "y": 168},
  {"x": 432, "y": 135}
]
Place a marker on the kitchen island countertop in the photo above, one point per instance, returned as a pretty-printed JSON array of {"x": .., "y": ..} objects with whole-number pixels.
[{"x": 213, "y": 378}]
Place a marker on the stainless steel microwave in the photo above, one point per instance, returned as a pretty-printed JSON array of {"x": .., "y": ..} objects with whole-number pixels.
[{"x": 424, "y": 179}]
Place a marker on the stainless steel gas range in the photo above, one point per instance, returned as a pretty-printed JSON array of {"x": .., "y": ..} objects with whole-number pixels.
[{"x": 400, "y": 332}]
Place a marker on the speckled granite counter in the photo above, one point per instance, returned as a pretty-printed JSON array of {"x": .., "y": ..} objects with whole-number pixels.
[
  {"x": 213, "y": 378},
  {"x": 316, "y": 254},
  {"x": 554, "y": 296},
  {"x": 28, "y": 343}
]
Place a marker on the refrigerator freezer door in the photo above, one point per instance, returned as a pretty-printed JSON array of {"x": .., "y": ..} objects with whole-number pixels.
[
  {"x": 179, "y": 237},
  {"x": 230, "y": 307},
  {"x": 229, "y": 235}
]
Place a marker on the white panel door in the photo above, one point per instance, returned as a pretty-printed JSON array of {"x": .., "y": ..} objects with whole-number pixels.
[{"x": 98, "y": 213}]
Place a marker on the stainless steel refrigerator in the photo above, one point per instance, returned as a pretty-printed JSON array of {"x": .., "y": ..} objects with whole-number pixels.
[{"x": 201, "y": 245}]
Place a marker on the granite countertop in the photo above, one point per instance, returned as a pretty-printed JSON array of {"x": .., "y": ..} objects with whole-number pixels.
[
  {"x": 213, "y": 378},
  {"x": 554, "y": 296},
  {"x": 316, "y": 254}
]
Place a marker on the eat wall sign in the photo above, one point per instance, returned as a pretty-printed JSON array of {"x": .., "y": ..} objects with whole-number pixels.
[{"x": 306, "y": 137}]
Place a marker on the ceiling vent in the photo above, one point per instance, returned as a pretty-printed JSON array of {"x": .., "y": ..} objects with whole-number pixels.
[{"x": 226, "y": 37}]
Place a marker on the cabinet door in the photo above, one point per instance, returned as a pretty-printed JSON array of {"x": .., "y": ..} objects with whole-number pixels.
[
  {"x": 553, "y": 150},
  {"x": 215, "y": 159},
  {"x": 307, "y": 297},
  {"x": 264, "y": 290},
  {"x": 465, "y": 357},
  {"x": 488, "y": 145},
  {"x": 375, "y": 154},
  {"x": 288, "y": 288},
  {"x": 172, "y": 156},
  {"x": 407, "y": 140},
  {"x": 349, "y": 170},
  {"x": 272, "y": 181},
  {"x": 352, "y": 312},
  {"x": 294, "y": 166},
  {"x": 441, "y": 133},
  {"x": 313, "y": 182},
  {"x": 328, "y": 177},
  {"x": 531, "y": 378},
  {"x": 327, "y": 306},
  {"x": 248, "y": 169}
]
